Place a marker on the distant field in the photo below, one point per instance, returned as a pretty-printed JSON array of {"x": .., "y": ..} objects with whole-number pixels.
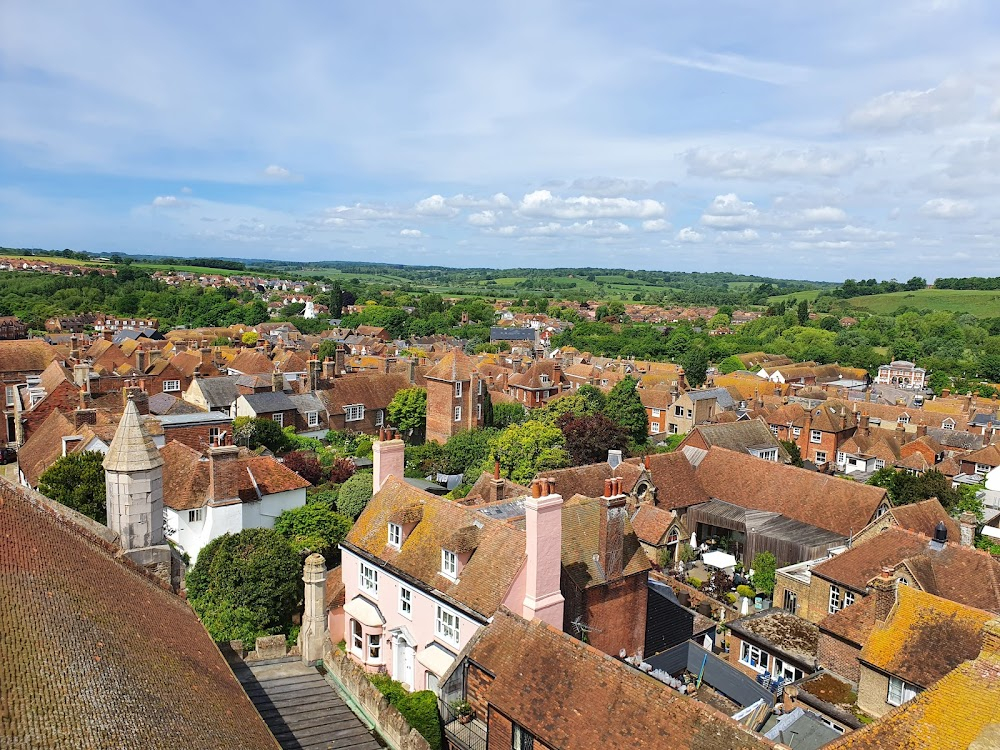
[
  {"x": 980, "y": 304},
  {"x": 808, "y": 294}
]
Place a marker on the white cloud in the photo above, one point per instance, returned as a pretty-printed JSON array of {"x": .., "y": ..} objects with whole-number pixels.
[
  {"x": 946, "y": 208},
  {"x": 770, "y": 163},
  {"x": 411, "y": 233},
  {"x": 742, "y": 235},
  {"x": 542, "y": 203},
  {"x": 167, "y": 201},
  {"x": 915, "y": 110},
  {"x": 362, "y": 212},
  {"x": 614, "y": 186},
  {"x": 435, "y": 205},
  {"x": 589, "y": 228},
  {"x": 689, "y": 234},
  {"x": 655, "y": 225},
  {"x": 274, "y": 172},
  {"x": 822, "y": 215},
  {"x": 483, "y": 219},
  {"x": 729, "y": 212}
]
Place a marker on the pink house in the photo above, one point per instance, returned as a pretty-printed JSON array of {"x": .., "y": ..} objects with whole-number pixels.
[{"x": 422, "y": 574}]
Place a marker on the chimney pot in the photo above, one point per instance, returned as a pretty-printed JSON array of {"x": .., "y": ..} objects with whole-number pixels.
[
  {"x": 536, "y": 489},
  {"x": 496, "y": 470}
]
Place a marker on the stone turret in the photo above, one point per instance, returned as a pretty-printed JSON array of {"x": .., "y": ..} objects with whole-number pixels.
[
  {"x": 313, "y": 633},
  {"x": 134, "y": 478}
]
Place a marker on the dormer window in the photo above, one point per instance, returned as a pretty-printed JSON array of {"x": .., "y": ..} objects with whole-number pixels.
[
  {"x": 449, "y": 564},
  {"x": 395, "y": 535},
  {"x": 903, "y": 419}
]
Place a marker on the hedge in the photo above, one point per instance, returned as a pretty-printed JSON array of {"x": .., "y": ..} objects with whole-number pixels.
[{"x": 419, "y": 709}]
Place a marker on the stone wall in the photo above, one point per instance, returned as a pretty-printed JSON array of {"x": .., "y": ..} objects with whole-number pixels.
[{"x": 362, "y": 695}]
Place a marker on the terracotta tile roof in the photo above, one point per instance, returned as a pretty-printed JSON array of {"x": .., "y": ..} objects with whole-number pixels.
[
  {"x": 792, "y": 414},
  {"x": 740, "y": 436},
  {"x": 374, "y": 390},
  {"x": 44, "y": 446},
  {"x": 95, "y": 654},
  {"x": 960, "y": 712},
  {"x": 581, "y": 518},
  {"x": 827, "y": 502},
  {"x": 541, "y": 374},
  {"x": 651, "y": 523},
  {"x": 27, "y": 356},
  {"x": 924, "y": 637},
  {"x": 186, "y": 363},
  {"x": 853, "y": 623},
  {"x": 454, "y": 366},
  {"x": 923, "y": 518},
  {"x": 185, "y": 477},
  {"x": 676, "y": 481},
  {"x": 591, "y": 701},
  {"x": 334, "y": 594},
  {"x": 485, "y": 579},
  {"x": 252, "y": 362},
  {"x": 858, "y": 565},
  {"x": 655, "y": 398},
  {"x": 990, "y": 455},
  {"x": 483, "y": 489}
]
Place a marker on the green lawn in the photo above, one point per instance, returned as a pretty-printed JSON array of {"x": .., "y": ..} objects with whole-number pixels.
[
  {"x": 980, "y": 304},
  {"x": 809, "y": 294}
]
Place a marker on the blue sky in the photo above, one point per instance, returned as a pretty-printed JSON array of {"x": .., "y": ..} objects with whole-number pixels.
[{"x": 804, "y": 140}]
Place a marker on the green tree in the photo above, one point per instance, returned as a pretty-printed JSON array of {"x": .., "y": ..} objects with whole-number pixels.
[
  {"x": 695, "y": 364},
  {"x": 802, "y": 312},
  {"x": 625, "y": 407},
  {"x": 246, "y": 585},
  {"x": 314, "y": 528},
  {"x": 793, "y": 450},
  {"x": 764, "y": 565},
  {"x": 408, "y": 410},
  {"x": 468, "y": 448},
  {"x": 524, "y": 450},
  {"x": 355, "y": 494},
  {"x": 254, "y": 432},
  {"x": 731, "y": 364},
  {"x": 250, "y": 338},
  {"x": 77, "y": 481}
]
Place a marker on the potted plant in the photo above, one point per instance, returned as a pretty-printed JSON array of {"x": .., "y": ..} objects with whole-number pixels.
[{"x": 463, "y": 710}]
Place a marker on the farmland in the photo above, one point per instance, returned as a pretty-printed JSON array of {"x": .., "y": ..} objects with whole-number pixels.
[{"x": 980, "y": 304}]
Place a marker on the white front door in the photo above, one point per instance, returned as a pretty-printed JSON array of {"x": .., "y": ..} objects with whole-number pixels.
[{"x": 404, "y": 660}]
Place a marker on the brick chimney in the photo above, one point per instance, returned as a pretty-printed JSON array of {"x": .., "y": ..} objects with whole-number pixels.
[
  {"x": 863, "y": 424},
  {"x": 388, "y": 457},
  {"x": 496, "y": 484},
  {"x": 218, "y": 455},
  {"x": 140, "y": 359},
  {"x": 543, "y": 535},
  {"x": 884, "y": 591},
  {"x": 314, "y": 372},
  {"x": 339, "y": 363},
  {"x": 328, "y": 370},
  {"x": 84, "y": 416},
  {"x": 968, "y": 523},
  {"x": 277, "y": 382},
  {"x": 611, "y": 542}
]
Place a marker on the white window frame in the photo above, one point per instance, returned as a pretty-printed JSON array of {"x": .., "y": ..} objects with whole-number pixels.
[
  {"x": 395, "y": 535},
  {"x": 678, "y": 411},
  {"x": 656, "y": 413},
  {"x": 479, "y": 411},
  {"x": 458, "y": 413},
  {"x": 446, "y": 625},
  {"x": 379, "y": 418},
  {"x": 458, "y": 389},
  {"x": 312, "y": 418},
  {"x": 879, "y": 463},
  {"x": 948, "y": 424},
  {"x": 789, "y": 672},
  {"x": 357, "y": 638},
  {"x": 848, "y": 598},
  {"x": 899, "y": 692},
  {"x": 214, "y": 433},
  {"x": 368, "y": 578},
  {"x": 196, "y": 515},
  {"x": 841, "y": 458},
  {"x": 406, "y": 602},
  {"x": 374, "y": 653},
  {"x": 815, "y": 436},
  {"x": 279, "y": 418},
  {"x": 983, "y": 469},
  {"x": 836, "y": 600},
  {"x": 10, "y": 391},
  {"x": 521, "y": 738},
  {"x": 654, "y": 428},
  {"x": 171, "y": 386},
  {"x": 796, "y": 431},
  {"x": 354, "y": 412},
  {"x": 820, "y": 457},
  {"x": 449, "y": 564},
  {"x": 750, "y": 653}
]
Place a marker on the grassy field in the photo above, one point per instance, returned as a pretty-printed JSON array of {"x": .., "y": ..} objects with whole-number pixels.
[
  {"x": 809, "y": 294},
  {"x": 980, "y": 304}
]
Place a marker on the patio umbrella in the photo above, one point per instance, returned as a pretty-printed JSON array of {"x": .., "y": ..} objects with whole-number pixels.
[
  {"x": 720, "y": 560},
  {"x": 694, "y": 541}
]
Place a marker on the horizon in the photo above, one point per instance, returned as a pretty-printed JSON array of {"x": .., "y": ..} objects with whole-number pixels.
[{"x": 790, "y": 142}]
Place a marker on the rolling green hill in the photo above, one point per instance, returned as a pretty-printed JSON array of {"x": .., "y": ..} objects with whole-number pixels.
[{"x": 980, "y": 304}]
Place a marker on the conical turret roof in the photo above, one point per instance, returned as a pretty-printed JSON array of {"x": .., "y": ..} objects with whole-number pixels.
[{"x": 132, "y": 448}]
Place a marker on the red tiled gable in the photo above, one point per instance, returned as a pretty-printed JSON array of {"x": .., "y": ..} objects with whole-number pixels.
[
  {"x": 990, "y": 455},
  {"x": 185, "y": 477},
  {"x": 95, "y": 654},
  {"x": 374, "y": 390},
  {"x": 570, "y": 695},
  {"x": 858, "y": 565},
  {"x": 923, "y": 518},
  {"x": 651, "y": 523},
  {"x": 252, "y": 362},
  {"x": 581, "y": 517},
  {"x": 676, "y": 481},
  {"x": 44, "y": 446},
  {"x": 455, "y": 366},
  {"x": 833, "y": 504},
  {"x": 853, "y": 623}
]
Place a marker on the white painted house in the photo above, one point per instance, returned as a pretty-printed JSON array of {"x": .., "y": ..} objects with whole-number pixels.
[{"x": 226, "y": 491}]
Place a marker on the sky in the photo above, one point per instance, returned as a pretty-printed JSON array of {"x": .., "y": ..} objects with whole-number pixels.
[{"x": 792, "y": 139}]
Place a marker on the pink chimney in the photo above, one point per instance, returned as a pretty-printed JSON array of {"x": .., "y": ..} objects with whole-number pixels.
[
  {"x": 387, "y": 457},
  {"x": 543, "y": 526}
]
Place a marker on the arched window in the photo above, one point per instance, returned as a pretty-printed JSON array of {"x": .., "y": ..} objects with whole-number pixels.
[{"x": 673, "y": 536}]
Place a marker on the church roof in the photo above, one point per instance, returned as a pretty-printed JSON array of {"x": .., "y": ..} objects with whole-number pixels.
[{"x": 132, "y": 448}]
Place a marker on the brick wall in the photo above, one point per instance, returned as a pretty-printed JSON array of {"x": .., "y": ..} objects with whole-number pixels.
[
  {"x": 501, "y": 731},
  {"x": 838, "y": 655},
  {"x": 819, "y": 599},
  {"x": 477, "y": 683},
  {"x": 803, "y": 602},
  {"x": 64, "y": 397},
  {"x": 441, "y": 403},
  {"x": 617, "y": 614},
  {"x": 194, "y": 436}
]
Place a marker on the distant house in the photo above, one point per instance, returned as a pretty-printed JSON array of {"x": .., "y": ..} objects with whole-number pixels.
[
  {"x": 775, "y": 643},
  {"x": 902, "y": 374},
  {"x": 12, "y": 328},
  {"x": 750, "y": 436},
  {"x": 213, "y": 394},
  {"x": 273, "y": 405},
  {"x": 697, "y": 407}
]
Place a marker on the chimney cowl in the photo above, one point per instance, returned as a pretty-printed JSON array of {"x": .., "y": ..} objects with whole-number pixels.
[{"x": 941, "y": 533}]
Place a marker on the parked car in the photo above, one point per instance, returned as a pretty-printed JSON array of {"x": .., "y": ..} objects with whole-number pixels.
[{"x": 7, "y": 456}]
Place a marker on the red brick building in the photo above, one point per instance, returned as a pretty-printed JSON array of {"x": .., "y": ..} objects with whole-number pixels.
[
  {"x": 820, "y": 431},
  {"x": 12, "y": 328},
  {"x": 455, "y": 396}
]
